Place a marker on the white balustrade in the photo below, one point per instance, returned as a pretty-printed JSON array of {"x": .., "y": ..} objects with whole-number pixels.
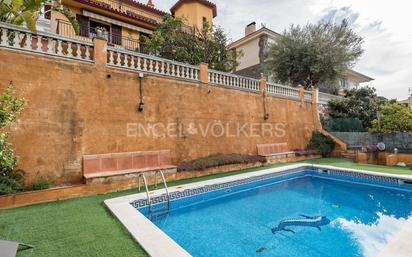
[
  {"x": 147, "y": 63},
  {"x": 234, "y": 81},
  {"x": 283, "y": 91},
  {"x": 307, "y": 96},
  {"x": 324, "y": 98},
  {"x": 21, "y": 39}
]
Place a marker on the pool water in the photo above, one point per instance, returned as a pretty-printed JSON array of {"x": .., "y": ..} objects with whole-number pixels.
[{"x": 362, "y": 218}]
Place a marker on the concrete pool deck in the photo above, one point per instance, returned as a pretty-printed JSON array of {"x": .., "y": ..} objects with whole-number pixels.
[{"x": 158, "y": 244}]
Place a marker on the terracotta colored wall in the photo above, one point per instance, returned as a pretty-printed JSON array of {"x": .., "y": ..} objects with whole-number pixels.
[
  {"x": 194, "y": 13},
  {"x": 75, "y": 109}
]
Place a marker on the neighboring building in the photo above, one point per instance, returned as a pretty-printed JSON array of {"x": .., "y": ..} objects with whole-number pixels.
[
  {"x": 196, "y": 13},
  {"x": 123, "y": 21},
  {"x": 254, "y": 46},
  {"x": 407, "y": 102}
]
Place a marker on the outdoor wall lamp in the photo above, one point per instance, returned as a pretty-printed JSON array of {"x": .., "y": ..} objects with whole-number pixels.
[{"x": 140, "y": 107}]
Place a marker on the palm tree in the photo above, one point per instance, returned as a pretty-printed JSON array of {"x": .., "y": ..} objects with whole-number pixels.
[{"x": 26, "y": 12}]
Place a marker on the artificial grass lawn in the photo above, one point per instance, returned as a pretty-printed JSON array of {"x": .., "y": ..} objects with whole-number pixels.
[
  {"x": 83, "y": 227},
  {"x": 350, "y": 164}
]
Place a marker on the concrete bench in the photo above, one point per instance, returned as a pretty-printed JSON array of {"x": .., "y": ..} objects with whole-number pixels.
[
  {"x": 101, "y": 168},
  {"x": 277, "y": 152}
]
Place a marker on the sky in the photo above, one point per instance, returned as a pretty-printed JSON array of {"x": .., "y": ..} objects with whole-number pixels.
[{"x": 384, "y": 25}]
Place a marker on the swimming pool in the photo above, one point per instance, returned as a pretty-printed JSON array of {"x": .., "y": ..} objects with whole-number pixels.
[{"x": 298, "y": 211}]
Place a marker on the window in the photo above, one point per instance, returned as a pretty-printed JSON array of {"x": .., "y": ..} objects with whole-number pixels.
[{"x": 204, "y": 22}]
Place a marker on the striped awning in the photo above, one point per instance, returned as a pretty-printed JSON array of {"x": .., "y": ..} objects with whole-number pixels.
[{"x": 116, "y": 22}]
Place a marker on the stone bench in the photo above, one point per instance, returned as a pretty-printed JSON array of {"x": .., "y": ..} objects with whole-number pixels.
[
  {"x": 103, "y": 168},
  {"x": 278, "y": 152}
]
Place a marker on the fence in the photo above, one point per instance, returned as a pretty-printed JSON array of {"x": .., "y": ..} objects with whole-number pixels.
[
  {"x": 148, "y": 63},
  {"x": 324, "y": 98},
  {"x": 231, "y": 80},
  {"x": 283, "y": 91},
  {"x": 20, "y": 38},
  {"x": 401, "y": 141}
]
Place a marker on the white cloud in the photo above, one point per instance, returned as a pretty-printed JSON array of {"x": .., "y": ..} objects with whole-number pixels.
[
  {"x": 373, "y": 238},
  {"x": 384, "y": 25}
]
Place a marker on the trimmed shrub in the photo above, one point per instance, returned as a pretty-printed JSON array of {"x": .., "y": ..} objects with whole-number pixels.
[
  {"x": 219, "y": 160},
  {"x": 40, "y": 183},
  {"x": 323, "y": 144}
]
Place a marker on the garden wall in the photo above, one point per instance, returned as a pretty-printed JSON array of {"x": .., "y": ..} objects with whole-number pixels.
[
  {"x": 77, "y": 108},
  {"x": 402, "y": 141}
]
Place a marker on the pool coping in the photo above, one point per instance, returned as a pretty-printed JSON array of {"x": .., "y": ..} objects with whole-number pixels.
[{"x": 156, "y": 243}]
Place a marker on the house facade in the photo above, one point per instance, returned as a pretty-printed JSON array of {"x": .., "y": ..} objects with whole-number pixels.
[
  {"x": 123, "y": 21},
  {"x": 254, "y": 45}
]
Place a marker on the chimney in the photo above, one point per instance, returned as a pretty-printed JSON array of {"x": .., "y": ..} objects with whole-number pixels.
[
  {"x": 150, "y": 4},
  {"x": 250, "y": 28}
]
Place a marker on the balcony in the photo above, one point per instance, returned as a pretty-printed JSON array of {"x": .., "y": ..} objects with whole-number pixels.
[
  {"x": 65, "y": 29},
  {"x": 139, "y": 12}
]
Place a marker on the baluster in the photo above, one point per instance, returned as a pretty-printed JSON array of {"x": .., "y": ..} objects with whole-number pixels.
[
  {"x": 139, "y": 64},
  {"x": 148, "y": 64},
  {"x": 16, "y": 40},
  {"x": 173, "y": 70},
  {"x": 87, "y": 53},
  {"x": 132, "y": 62},
  {"x": 191, "y": 73},
  {"x": 144, "y": 64},
  {"x": 156, "y": 68},
  {"x": 125, "y": 61},
  {"x": 28, "y": 42},
  {"x": 111, "y": 58},
  {"x": 177, "y": 70},
  {"x": 118, "y": 60},
  {"x": 69, "y": 49},
  {"x": 39, "y": 43},
  {"x": 78, "y": 51},
  {"x": 167, "y": 69},
  {"x": 49, "y": 46},
  {"x": 4, "y": 38},
  {"x": 59, "y": 48}
]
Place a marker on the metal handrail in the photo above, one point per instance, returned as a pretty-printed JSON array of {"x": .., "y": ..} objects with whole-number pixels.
[
  {"x": 165, "y": 185},
  {"x": 141, "y": 175}
]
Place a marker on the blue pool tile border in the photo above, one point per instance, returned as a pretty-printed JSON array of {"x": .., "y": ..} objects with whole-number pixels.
[
  {"x": 208, "y": 188},
  {"x": 351, "y": 175}
]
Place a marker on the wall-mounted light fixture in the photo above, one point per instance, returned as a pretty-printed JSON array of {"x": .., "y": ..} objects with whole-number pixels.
[{"x": 140, "y": 107}]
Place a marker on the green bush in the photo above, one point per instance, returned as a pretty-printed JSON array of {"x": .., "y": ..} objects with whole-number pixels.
[
  {"x": 322, "y": 143},
  {"x": 11, "y": 180},
  {"x": 345, "y": 125},
  {"x": 40, "y": 183}
]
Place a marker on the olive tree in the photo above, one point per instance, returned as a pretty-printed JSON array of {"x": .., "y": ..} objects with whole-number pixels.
[{"x": 314, "y": 54}]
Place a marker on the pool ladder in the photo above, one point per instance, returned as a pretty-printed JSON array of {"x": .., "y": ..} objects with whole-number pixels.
[{"x": 155, "y": 211}]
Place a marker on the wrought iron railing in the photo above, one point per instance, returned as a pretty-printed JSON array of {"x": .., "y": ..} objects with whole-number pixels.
[{"x": 64, "y": 28}]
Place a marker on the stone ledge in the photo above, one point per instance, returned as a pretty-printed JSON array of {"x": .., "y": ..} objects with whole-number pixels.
[{"x": 107, "y": 177}]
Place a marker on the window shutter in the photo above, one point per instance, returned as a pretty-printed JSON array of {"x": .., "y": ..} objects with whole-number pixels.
[
  {"x": 116, "y": 37},
  {"x": 83, "y": 25}
]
